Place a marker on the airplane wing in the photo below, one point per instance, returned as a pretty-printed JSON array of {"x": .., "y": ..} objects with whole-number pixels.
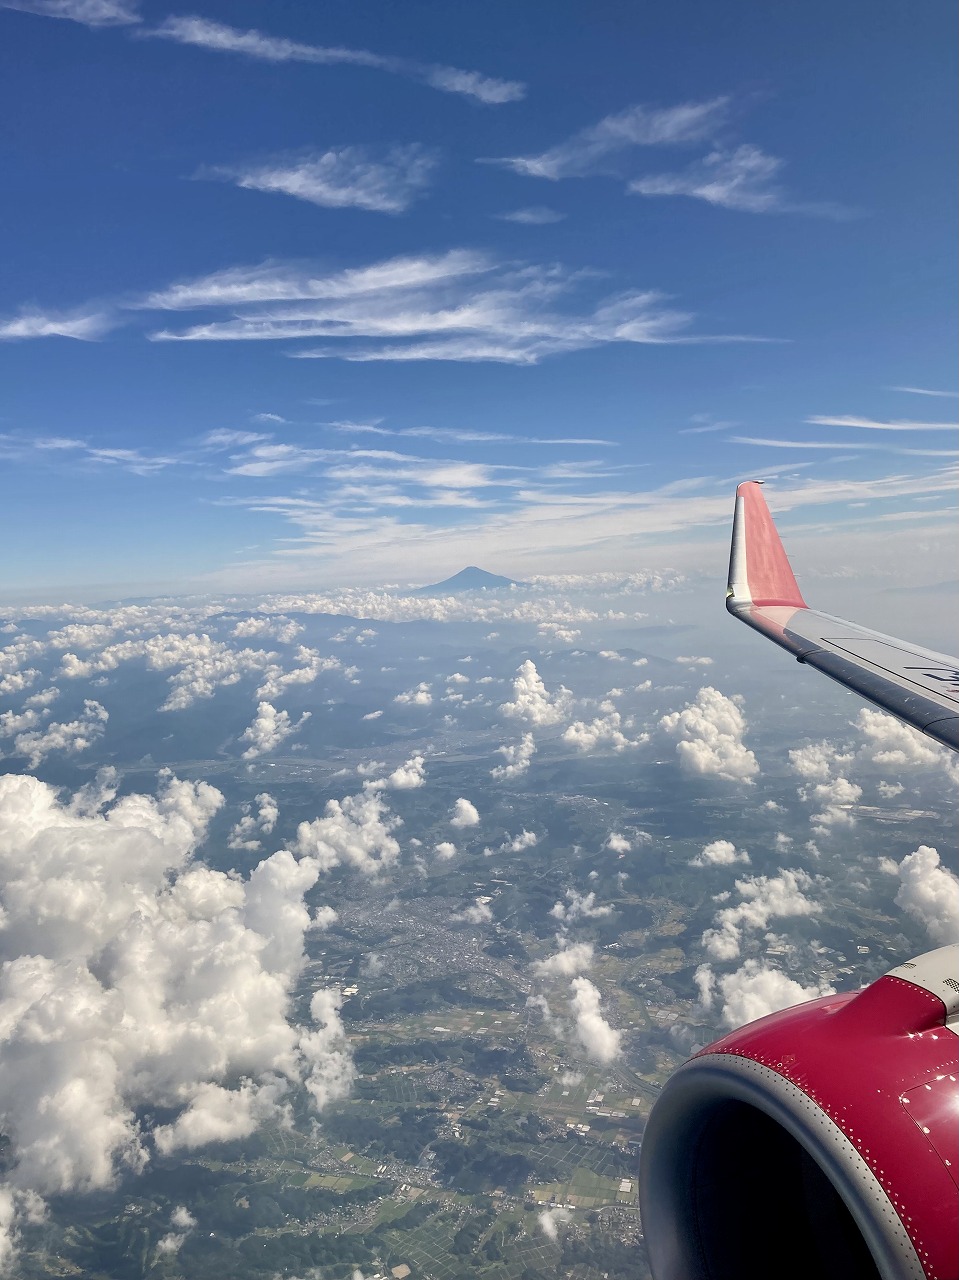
[{"x": 918, "y": 686}]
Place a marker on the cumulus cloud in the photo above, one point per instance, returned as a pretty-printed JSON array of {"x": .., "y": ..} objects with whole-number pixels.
[
  {"x": 134, "y": 978},
  {"x": 754, "y": 991},
  {"x": 604, "y": 731},
  {"x": 532, "y": 702},
  {"x": 356, "y": 831},
  {"x": 312, "y": 665},
  {"x": 421, "y": 696},
  {"x": 517, "y": 756},
  {"x": 889, "y": 790},
  {"x": 182, "y": 1221},
  {"x": 204, "y": 664},
  {"x": 515, "y": 844},
  {"x": 269, "y": 728},
  {"x": 618, "y": 842},
  {"x": 70, "y": 737},
  {"x": 929, "y": 892},
  {"x": 479, "y": 913},
  {"x": 710, "y": 737},
  {"x": 815, "y": 761},
  {"x": 578, "y": 905},
  {"x": 565, "y": 962},
  {"x": 838, "y": 798},
  {"x": 408, "y": 776},
  {"x": 246, "y": 833},
  {"x": 601, "y": 1042},
  {"x": 551, "y": 1219},
  {"x": 275, "y": 628},
  {"x": 445, "y": 850},
  {"x": 762, "y": 898},
  {"x": 18, "y": 681},
  {"x": 719, "y": 853},
  {"x": 890, "y": 743},
  {"x": 464, "y": 814}
]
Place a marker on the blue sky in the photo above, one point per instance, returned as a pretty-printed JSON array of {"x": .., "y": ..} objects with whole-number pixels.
[{"x": 305, "y": 295}]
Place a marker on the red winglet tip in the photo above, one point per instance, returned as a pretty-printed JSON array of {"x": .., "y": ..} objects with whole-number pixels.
[{"x": 770, "y": 577}]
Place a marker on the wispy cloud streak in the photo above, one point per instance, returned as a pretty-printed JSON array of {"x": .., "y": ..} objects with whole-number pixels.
[
  {"x": 743, "y": 179},
  {"x": 925, "y": 391},
  {"x": 91, "y": 13},
  {"x": 837, "y": 445},
  {"x": 342, "y": 178},
  {"x": 458, "y": 306},
  {"x": 638, "y": 126},
  {"x": 871, "y": 424},
  {"x": 85, "y": 327},
  {"x": 221, "y": 38}
]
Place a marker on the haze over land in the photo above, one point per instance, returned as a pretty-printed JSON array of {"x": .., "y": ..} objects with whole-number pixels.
[{"x": 355, "y": 906}]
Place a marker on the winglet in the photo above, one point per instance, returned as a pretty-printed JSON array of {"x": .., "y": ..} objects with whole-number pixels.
[{"x": 759, "y": 571}]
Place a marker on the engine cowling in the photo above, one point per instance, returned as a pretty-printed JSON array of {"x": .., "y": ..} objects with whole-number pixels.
[{"x": 819, "y": 1142}]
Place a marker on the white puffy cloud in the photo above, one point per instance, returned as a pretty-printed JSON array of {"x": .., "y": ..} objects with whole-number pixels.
[
  {"x": 816, "y": 760},
  {"x": 578, "y": 905},
  {"x": 445, "y": 850},
  {"x": 890, "y": 743},
  {"x": 182, "y": 1221},
  {"x": 421, "y": 696},
  {"x": 695, "y": 662},
  {"x": 357, "y": 830},
  {"x": 532, "y": 702},
  {"x": 269, "y": 728},
  {"x": 601, "y": 1041},
  {"x": 44, "y": 698},
  {"x": 929, "y": 892},
  {"x": 134, "y": 978},
  {"x": 312, "y": 665},
  {"x": 205, "y": 664},
  {"x": 70, "y": 737},
  {"x": 604, "y": 731},
  {"x": 710, "y": 737},
  {"x": 618, "y": 842},
  {"x": 464, "y": 814},
  {"x": 889, "y": 790},
  {"x": 373, "y": 715},
  {"x": 479, "y": 913},
  {"x": 246, "y": 833},
  {"x": 408, "y": 776},
  {"x": 551, "y": 1219},
  {"x": 17, "y": 681},
  {"x": 517, "y": 755},
  {"x": 754, "y": 991},
  {"x": 276, "y": 628},
  {"x": 566, "y": 961},
  {"x": 719, "y": 853},
  {"x": 837, "y": 798},
  {"x": 515, "y": 844},
  {"x": 762, "y": 898}
]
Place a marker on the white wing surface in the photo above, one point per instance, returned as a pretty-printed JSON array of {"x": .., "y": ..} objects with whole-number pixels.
[{"x": 918, "y": 686}]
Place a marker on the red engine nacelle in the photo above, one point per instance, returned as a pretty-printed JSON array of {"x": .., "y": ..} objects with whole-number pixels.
[{"x": 818, "y": 1142}]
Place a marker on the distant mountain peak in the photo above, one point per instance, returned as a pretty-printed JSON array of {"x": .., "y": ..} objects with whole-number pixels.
[{"x": 471, "y": 578}]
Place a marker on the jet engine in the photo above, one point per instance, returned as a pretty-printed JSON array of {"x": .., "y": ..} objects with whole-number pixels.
[{"x": 821, "y": 1142}]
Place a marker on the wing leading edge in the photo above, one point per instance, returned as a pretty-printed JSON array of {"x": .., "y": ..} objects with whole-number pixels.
[{"x": 918, "y": 686}]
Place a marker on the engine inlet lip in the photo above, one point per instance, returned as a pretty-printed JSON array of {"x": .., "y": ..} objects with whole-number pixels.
[{"x": 690, "y": 1096}]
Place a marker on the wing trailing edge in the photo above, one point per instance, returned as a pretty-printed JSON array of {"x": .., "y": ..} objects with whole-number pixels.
[{"x": 919, "y": 686}]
